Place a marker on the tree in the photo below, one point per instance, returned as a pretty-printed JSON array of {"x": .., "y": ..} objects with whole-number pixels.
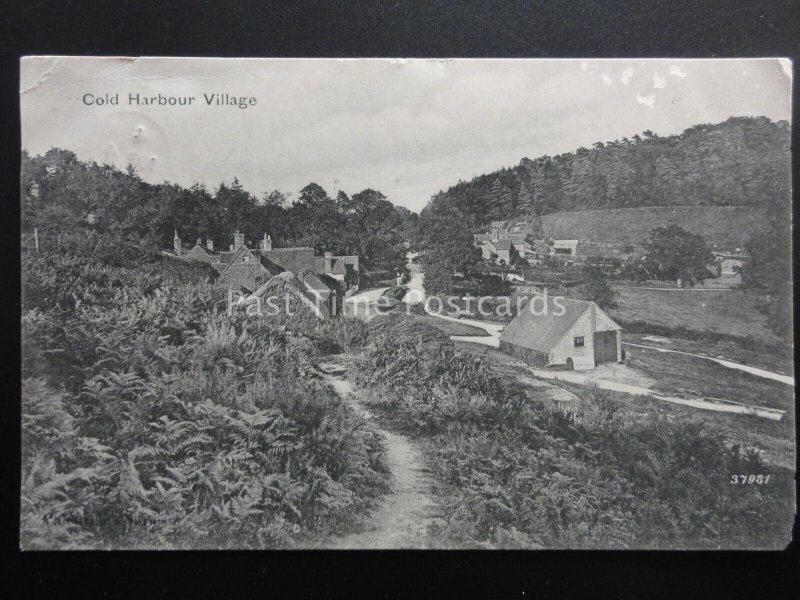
[
  {"x": 524, "y": 199},
  {"x": 769, "y": 271},
  {"x": 501, "y": 200},
  {"x": 675, "y": 254},
  {"x": 449, "y": 249},
  {"x": 596, "y": 288}
]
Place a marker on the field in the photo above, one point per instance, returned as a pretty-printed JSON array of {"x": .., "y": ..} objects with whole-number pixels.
[
  {"x": 725, "y": 225},
  {"x": 733, "y": 312},
  {"x": 680, "y": 374}
]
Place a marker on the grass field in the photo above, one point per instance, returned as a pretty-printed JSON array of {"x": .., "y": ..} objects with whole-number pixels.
[
  {"x": 677, "y": 373},
  {"x": 731, "y": 312},
  {"x": 726, "y": 225}
]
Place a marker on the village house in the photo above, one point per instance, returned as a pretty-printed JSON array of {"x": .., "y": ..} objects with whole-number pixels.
[
  {"x": 729, "y": 263},
  {"x": 576, "y": 334},
  {"x": 341, "y": 268},
  {"x": 248, "y": 269},
  {"x": 501, "y": 251}
]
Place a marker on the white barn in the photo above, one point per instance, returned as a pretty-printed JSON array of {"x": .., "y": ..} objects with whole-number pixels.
[{"x": 560, "y": 331}]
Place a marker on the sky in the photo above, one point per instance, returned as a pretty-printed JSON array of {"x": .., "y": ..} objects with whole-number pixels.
[{"x": 408, "y": 128}]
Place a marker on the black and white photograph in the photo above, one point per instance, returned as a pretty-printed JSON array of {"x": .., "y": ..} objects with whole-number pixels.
[{"x": 354, "y": 304}]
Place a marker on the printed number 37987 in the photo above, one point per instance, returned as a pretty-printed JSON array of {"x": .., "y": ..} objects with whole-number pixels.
[{"x": 749, "y": 479}]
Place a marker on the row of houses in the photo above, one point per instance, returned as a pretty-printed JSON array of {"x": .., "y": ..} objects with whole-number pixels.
[{"x": 328, "y": 278}]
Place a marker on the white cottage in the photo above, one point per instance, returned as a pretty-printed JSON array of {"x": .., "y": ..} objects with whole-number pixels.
[{"x": 559, "y": 331}]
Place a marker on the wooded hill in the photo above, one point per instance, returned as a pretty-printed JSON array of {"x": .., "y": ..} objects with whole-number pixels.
[{"x": 744, "y": 161}]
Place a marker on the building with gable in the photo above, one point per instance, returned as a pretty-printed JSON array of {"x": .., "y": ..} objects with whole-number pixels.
[{"x": 576, "y": 334}]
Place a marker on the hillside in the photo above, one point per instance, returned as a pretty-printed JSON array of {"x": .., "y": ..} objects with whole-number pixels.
[
  {"x": 742, "y": 162},
  {"x": 725, "y": 226}
]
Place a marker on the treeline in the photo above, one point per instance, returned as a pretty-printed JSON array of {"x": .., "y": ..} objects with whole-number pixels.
[
  {"x": 744, "y": 161},
  {"x": 60, "y": 192}
]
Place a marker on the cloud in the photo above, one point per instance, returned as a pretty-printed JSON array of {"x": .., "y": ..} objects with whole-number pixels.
[
  {"x": 626, "y": 75},
  {"x": 606, "y": 79},
  {"x": 648, "y": 101},
  {"x": 659, "y": 82},
  {"x": 677, "y": 71}
]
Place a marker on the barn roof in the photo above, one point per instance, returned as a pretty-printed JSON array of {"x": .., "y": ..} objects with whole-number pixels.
[{"x": 543, "y": 331}]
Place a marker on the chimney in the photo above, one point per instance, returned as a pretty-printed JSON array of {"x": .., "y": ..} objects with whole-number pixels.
[
  {"x": 328, "y": 262},
  {"x": 266, "y": 243},
  {"x": 210, "y": 245},
  {"x": 176, "y": 244},
  {"x": 238, "y": 240},
  {"x": 199, "y": 242}
]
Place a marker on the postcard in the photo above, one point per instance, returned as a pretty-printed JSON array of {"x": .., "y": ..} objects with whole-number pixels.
[{"x": 406, "y": 304}]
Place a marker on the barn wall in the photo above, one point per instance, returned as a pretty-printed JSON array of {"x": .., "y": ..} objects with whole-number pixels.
[
  {"x": 582, "y": 357},
  {"x": 527, "y": 355}
]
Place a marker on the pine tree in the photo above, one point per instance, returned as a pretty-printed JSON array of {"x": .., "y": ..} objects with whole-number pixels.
[
  {"x": 524, "y": 200},
  {"x": 501, "y": 200}
]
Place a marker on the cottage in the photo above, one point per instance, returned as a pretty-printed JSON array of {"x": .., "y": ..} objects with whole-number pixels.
[
  {"x": 243, "y": 268},
  {"x": 249, "y": 269},
  {"x": 341, "y": 268},
  {"x": 505, "y": 251},
  {"x": 560, "y": 331},
  {"x": 488, "y": 250}
]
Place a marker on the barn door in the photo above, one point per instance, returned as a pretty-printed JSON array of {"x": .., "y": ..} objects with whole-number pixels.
[{"x": 605, "y": 347}]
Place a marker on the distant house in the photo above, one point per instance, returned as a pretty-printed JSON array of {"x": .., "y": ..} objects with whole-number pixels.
[
  {"x": 341, "y": 268},
  {"x": 201, "y": 253},
  {"x": 729, "y": 263},
  {"x": 296, "y": 260},
  {"x": 504, "y": 250},
  {"x": 488, "y": 250},
  {"x": 243, "y": 268},
  {"x": 560, "y": 331}
]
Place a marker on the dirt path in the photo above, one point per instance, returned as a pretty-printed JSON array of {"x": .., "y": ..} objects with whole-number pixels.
[
  {"x": 588, "y": 378},
  {"x": 403, "y": 515}
]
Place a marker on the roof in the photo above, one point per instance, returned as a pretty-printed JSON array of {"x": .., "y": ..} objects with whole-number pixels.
[
  {"x": 297, "y": 260},
  {"x": 503, "y": 244},
  {"x": 316, "y": 283},
  {"x": 543, "y": 331}
]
